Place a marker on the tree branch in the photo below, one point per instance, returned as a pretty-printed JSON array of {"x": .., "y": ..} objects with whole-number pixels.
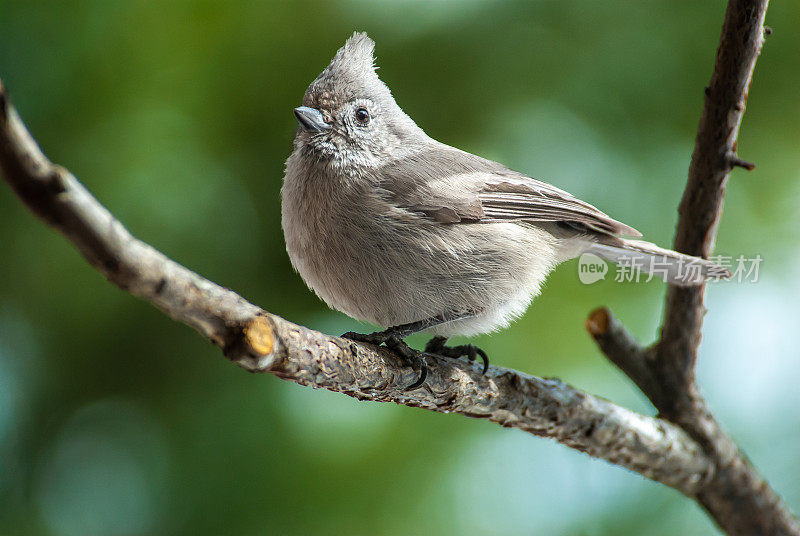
[
  {"x": 621, "y": 348},
  {"x": 736, "y": 496},
  {"x": 262, "y": 342},
  {"x": 713, "y": 159}
]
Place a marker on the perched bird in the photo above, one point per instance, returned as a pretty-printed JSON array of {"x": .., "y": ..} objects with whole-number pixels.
[{"x": 395, "y": 228}]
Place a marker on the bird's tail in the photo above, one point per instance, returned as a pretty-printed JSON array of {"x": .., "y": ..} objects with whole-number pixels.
[{"x": 643, "y": 257}]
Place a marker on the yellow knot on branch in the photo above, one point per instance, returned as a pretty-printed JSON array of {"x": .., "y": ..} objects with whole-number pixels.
[{"x": 259, "y": 336}]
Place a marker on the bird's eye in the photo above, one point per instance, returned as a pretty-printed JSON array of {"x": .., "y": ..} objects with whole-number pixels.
[{"x": 362, "y": 115}]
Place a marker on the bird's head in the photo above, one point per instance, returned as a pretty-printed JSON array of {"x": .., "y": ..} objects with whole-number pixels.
[{"x": 349, "y": 115}]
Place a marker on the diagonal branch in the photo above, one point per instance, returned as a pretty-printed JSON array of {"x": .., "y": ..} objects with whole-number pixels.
[{"x": 262, "y": 342}]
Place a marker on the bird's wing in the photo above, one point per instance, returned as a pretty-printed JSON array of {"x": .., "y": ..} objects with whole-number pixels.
[{"x": 452, "y": 186}]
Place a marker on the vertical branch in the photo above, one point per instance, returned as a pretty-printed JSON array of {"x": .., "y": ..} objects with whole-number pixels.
[
  {"x": 701, "y": 207},
  {"x": 736, "y": 496}
]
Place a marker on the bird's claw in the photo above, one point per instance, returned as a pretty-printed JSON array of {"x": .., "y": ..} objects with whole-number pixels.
[
  {"x": 377, "y": 338},
  {"x": 437, "y": 346},
  {"x": 412, "y": 357}
]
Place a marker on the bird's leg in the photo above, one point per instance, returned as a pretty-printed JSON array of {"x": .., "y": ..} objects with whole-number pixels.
[
  {"x": 437, "y": 346},
  {"x": 397, "y": 332},
  {"x": 393, "y": 339}
]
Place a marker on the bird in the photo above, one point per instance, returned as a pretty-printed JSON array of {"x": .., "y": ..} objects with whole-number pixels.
[{"x": 392, "y": 227}]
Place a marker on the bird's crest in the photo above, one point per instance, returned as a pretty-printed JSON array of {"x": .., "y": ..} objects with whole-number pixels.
[
  {"x": 350, "y": 74},
  {"x": 355, "y": 57}
]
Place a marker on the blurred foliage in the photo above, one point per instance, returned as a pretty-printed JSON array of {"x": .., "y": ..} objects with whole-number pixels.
[{"x": 177, "y": 116}]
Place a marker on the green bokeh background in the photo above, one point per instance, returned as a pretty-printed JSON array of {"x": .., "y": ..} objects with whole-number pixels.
[{"x": 177, "y": 116}]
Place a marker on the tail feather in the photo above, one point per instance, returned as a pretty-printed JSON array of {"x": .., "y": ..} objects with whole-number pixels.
[{"x": 673, "y": 267}]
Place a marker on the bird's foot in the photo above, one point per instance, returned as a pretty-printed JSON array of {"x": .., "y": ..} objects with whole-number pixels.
[
  {"x": 391, "y": 340},
  {"x": 437, "y": 346},
  {"x": 377, "y": 338}
]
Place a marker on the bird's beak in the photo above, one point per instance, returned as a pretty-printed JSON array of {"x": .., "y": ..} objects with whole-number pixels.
[{"x": 311, "y": 119}]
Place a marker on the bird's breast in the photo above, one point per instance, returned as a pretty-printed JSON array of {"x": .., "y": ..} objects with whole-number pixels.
[{"x": 324, "y": 226}]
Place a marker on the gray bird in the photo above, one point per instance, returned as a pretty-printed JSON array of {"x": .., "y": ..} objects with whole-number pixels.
[{"x": 395, "y": 228}]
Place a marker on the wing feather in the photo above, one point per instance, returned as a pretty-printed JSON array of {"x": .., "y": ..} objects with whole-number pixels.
[{"x": 452, "y": 186}]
